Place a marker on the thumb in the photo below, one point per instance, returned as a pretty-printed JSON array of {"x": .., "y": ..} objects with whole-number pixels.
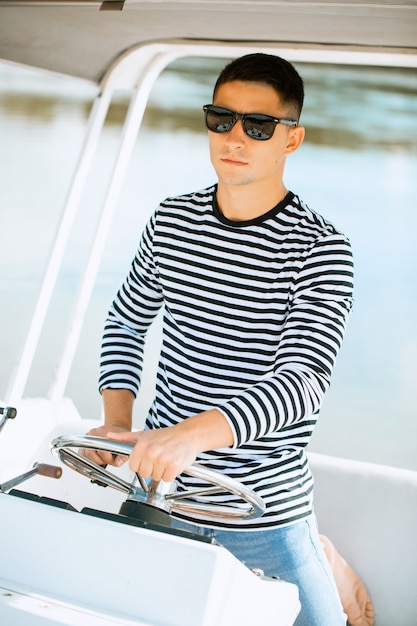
[{"x": 125, "y": 437}]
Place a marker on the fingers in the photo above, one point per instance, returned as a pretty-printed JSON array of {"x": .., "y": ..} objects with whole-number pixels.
[
  {"x": 101, "y": 457},
  {"x": 145, "y": 457},
  {"x": 155, "y": 463},
  {"x": 159, "y": 454},
  {"x": 138, "y": 461},
  {"x": 125, "y": 437}
]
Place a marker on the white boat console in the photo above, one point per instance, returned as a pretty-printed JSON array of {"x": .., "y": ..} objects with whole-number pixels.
[{"x": 79, "y": 567}]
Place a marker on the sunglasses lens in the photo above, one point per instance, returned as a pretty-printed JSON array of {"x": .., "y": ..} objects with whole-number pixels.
[
  {"x": 219, "y": 120},
  {"x": 259, "y": 127},
  {"x": 256, "y": 125}
]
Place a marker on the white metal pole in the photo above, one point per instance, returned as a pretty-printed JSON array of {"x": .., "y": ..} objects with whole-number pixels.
[
  {"x": 95, "y": 124},
  {"x": 129, "y": 134}
]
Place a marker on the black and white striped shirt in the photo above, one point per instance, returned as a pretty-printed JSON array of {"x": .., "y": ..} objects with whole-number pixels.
[{"x": 253, "y": 317}]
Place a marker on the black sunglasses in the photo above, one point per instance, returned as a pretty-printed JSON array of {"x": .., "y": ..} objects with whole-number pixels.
[{"x": 256, "y": 125}]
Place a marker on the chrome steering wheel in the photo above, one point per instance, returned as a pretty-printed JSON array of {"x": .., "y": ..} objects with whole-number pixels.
[{"x": 161, "y": 495}]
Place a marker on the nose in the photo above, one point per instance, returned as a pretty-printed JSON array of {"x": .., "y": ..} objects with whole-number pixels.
[{"x": 236, "y": 134}]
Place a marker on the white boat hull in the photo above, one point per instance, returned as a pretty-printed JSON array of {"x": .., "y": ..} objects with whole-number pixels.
[{"x": 68, "y": 567}]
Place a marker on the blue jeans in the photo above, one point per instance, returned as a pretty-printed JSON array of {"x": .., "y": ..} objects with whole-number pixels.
[{"x": 294, "y": 554}]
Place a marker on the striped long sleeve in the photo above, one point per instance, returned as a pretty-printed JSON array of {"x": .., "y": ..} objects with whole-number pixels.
[{"x": 253, "y": 318}]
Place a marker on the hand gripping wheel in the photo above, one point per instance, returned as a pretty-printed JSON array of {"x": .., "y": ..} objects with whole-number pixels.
[{"x": 160, "y": 496}]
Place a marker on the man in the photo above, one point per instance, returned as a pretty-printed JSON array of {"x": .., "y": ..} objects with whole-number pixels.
[{"x": 256, "y": 290}]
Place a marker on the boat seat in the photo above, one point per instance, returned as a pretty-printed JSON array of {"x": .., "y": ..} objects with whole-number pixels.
[{"x": 369, "y": 511}]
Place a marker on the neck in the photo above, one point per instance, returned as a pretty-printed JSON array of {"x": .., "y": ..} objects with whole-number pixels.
[{"x": 241, "y": 203}]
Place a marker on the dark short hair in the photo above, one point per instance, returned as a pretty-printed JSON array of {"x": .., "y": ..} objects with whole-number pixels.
[{"x": 270, "y": 69}]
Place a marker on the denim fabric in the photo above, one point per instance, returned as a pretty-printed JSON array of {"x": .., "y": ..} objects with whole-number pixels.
[{"x": 294, "y": 554}]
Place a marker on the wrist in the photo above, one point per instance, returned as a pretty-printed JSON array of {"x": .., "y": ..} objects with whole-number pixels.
[
  {"x": 118, "y": 406},
  {"x": 119, "y": 425},
  {"x": 206, "y": 431}
]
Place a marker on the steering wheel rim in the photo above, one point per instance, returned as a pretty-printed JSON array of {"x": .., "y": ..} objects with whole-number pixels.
[{"x": 159, "y": 494}]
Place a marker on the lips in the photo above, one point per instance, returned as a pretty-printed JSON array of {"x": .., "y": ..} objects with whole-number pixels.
[{"x": 228, "y": 160}]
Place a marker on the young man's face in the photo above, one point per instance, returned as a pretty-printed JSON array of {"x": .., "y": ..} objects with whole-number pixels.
[{"x": 241, "y": 160}]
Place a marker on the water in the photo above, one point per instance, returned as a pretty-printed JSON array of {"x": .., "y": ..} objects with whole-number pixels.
[{"x": 357, "y": 167}]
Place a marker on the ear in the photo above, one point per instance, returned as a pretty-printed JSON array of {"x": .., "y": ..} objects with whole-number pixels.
[{"x": 295, "y": 139}]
